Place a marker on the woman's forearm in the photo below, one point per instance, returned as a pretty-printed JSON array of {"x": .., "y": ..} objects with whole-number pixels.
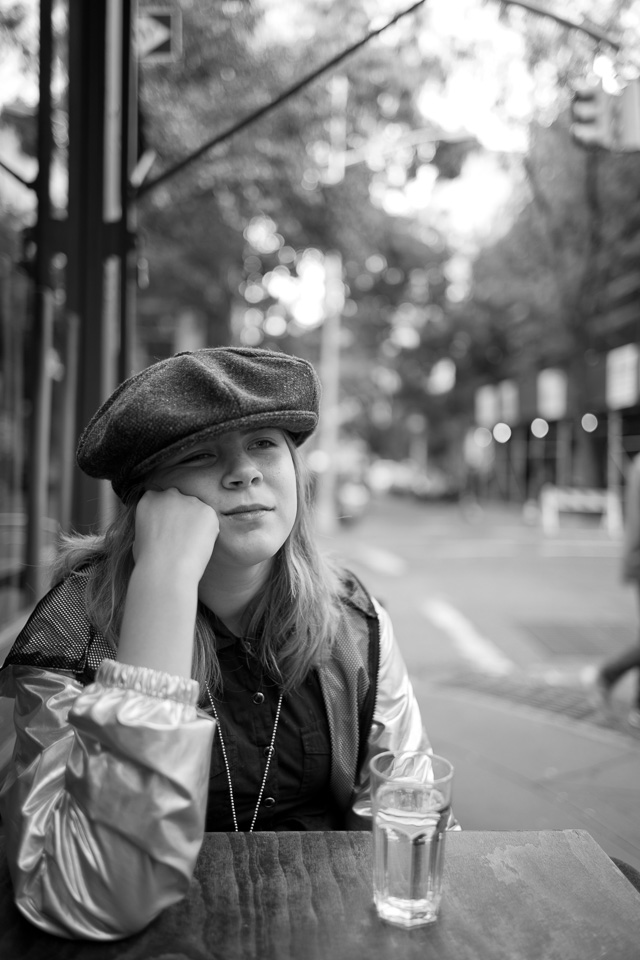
[{"x": 159, "y": 618}]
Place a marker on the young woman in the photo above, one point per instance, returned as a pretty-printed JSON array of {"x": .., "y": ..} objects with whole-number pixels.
[{"x": 205, "y": 608}]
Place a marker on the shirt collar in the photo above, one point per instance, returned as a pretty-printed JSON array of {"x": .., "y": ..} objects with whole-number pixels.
[{"x": 224, "y": 636}]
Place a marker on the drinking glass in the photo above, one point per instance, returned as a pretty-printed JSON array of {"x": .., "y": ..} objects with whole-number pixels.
[{"x": 411, "y": 800}]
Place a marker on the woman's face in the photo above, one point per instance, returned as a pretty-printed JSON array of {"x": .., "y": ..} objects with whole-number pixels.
[{"x": 248, "y": 477}]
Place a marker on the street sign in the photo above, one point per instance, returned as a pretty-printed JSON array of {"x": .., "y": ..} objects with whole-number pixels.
[
  {"x": 622, "y": 377},
  {"x": 487, "y": 406},
  {"x": 552, "y": 393},
  {"x": 158, "y": 34}
]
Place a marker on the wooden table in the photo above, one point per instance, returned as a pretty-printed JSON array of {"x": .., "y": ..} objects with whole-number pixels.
[{"x": 307, "y": 896}]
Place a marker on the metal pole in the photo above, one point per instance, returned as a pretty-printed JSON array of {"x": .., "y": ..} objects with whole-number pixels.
[
  {"x": 17, "y": 362},
  {"x": 615, "y": 472},
  {"x": 564, "y": 462},
  {"x": 113, "y": 217},
  {"x": 615, "y": 459},
  {"x": 40, "y": 448},
  {"x": 128, "y": 161},
  {"x": 68, "y": 440},
  {"x": 12, "y": 549},
  {"x": 6, "y": 385},
  {"x": 42, "y": 324},
  {"x": 87, "y": 235},
  {"x": 330, "y": 378},
  {"x": 518, "y": 452}
]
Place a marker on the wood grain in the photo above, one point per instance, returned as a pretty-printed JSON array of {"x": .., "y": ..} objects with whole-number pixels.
[{"x": 290, "y": 896}]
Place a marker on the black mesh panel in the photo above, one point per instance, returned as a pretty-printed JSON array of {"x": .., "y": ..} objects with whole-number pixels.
[{"x": 58, "y": 635}]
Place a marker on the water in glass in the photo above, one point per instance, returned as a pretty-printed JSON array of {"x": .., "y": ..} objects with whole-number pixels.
[{"x": 408, "y": 840}]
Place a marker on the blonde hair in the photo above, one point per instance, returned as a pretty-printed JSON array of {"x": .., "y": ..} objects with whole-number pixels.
[{"x": 295, "y": 615}]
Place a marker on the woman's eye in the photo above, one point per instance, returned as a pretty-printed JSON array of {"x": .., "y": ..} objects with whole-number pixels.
[
  {"x": 263, "y": 442},
  {"x": 194, "y": 457}
]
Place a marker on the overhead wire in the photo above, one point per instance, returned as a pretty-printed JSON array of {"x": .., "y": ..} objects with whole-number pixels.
[
  {"x": 272, "y": 104},
  {"x": 584, "y": 27}
]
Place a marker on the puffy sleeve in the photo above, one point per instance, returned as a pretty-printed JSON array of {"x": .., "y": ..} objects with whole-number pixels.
[
  {"x": 104, "y": 802},
  {"x": 397, "y": 722}
]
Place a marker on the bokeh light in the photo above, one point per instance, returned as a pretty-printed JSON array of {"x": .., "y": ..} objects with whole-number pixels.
[
  {"x": 589, "y": 422},
  {"x": 275, "y": 325},
  {"x": 482, "y": 436},
  {"x": 501, "y": 432},
  {"x": 539, "y": 428}
]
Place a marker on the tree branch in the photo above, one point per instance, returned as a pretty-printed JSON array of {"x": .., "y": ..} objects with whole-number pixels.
[
  {"x": 268, "y": 107},
  {"x": 31, "y": 184},
  {"x": 583, "y": 26},
  {"x": 592, "y": 31}
]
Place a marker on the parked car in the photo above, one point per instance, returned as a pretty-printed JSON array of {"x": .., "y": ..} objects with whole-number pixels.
[
  {"x": 435, "y": 485},
  {"x": 406, "y": 478}
]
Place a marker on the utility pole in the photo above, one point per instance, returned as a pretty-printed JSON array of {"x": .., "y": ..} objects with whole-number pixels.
[
  {"x": 85, "y": 281},
  {"x": 128, "y": 165},
  {"x": 42, "y": 301},
  {"x": 330, "y": 378},
  {"x": 339, "y": 93},
  {"x": 98, "y": 238}
]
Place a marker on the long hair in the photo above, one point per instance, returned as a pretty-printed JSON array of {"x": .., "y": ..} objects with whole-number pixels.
[{"x": 295, "y": 615}]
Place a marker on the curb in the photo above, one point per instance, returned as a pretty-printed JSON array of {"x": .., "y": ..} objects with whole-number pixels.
[{"x": 570, "y": 702}]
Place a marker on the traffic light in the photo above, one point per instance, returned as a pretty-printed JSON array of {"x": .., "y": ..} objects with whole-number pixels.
[
  {"x": 594, "y": 116},
  {"x": 629, "y": 123},
  {"x": 610, "y": 120}
]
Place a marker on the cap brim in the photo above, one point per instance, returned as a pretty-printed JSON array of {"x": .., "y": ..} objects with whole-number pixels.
[{"x": 300, "y": 425}]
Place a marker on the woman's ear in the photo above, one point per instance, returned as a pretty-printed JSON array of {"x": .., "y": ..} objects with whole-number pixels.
[{"x": 135, "y": 491}]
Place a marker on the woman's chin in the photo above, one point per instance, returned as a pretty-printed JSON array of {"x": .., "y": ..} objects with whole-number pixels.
[{"x": 241, "y": 556}]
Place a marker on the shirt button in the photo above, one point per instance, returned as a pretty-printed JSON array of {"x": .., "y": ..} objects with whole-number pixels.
[
  {"x": 268, "y": 802},
  {"x": 258, "y": 698},
  {"x": 267, "y": 751}
]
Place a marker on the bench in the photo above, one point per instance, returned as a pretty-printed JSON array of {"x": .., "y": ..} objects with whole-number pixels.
[{"x": 556, "y": 500}]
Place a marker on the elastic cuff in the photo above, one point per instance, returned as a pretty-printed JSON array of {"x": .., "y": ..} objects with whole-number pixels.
[{"x": 153, "y": 683}]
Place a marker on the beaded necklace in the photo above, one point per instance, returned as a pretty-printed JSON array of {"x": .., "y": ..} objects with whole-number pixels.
[{"x": 226, "y": 761}]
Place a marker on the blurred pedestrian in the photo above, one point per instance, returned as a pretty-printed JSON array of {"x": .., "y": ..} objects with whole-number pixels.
[
  {"x": 206, "y": 599},
  {"x": 609, "y": 673}
]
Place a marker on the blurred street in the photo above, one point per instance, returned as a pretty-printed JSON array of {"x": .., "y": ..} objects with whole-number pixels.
[{"x": 499, "y": 625}]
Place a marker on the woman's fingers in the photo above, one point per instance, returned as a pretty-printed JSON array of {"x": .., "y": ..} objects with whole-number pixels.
[{"x": 173, "y": 527}]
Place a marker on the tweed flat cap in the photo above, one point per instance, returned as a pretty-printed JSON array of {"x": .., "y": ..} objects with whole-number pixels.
[{"x": 176, "y": 403}]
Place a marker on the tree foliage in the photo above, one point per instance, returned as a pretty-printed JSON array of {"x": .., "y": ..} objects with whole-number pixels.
[
  {"x": 195, "y": 225},
  {"x": 531, "y": 288},
  {"x": 536, "y": 291}
]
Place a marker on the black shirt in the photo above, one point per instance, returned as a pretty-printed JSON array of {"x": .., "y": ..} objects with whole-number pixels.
[{"x": 296, "y": 794}]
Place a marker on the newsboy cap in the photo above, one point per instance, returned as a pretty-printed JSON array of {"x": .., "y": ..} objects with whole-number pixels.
[{"x": 176, "y": 403}]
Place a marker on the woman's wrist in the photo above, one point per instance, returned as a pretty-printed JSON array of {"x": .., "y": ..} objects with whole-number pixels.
[{"x": 162, "y": 569}]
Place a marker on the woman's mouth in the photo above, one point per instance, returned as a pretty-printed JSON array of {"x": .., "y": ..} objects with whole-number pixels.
[{"x": 252, "y": 511}]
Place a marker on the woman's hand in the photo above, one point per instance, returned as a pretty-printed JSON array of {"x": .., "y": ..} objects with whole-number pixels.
[
  {"x": 174, "y": 539},
  {"x": 175, "y": 531}
]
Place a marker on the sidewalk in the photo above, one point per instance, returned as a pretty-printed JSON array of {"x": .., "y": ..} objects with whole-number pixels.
[
  {"x": 531, "y": 751},
  {"x": 521, "y": 767}
]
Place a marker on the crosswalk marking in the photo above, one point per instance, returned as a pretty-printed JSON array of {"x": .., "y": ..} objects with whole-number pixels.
[
  {"x": 382, "y": 561},
  {"x": 468, "y": 641}
]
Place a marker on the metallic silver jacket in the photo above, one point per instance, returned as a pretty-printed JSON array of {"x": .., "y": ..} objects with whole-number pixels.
[{"x": 104, "y": 803}]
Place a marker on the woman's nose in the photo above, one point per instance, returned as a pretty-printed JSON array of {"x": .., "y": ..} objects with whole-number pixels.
[{"x": 241, "y": 471}]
